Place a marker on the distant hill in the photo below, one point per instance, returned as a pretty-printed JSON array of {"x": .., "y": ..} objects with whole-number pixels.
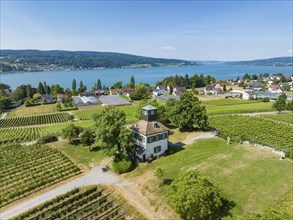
[
  {"x": 37, "y": 60},
  {"x": 277, "y": 61}
]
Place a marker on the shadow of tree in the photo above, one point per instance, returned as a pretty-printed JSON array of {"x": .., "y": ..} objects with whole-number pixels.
[
  {"x": 226, "y": 207},
  {"x": 96, "y": 148},
  {"x": 167, "y": 181}
]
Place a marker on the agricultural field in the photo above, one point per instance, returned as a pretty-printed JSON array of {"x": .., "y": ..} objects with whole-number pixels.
[
  {"x": 262, "y": 131},
  {"x": 251, "y": 178},
  {"x": 34, "y": 120},
  {"x": 92, "y": 202},
  {"x": 79, "y": 154},
  {"x": 232, "y": 106},
  {"x": 287, "y": 118},
  {"x": 34, "y": 110},
  {"x": 86, "y": 114},
  {"x": 30, "y": 133},
  {"x": 25, "y": 170}
]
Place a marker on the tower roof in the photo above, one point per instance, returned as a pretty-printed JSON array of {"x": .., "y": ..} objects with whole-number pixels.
[{"x": 149, "y": 107}]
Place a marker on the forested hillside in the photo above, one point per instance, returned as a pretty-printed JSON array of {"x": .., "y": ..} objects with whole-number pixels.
[{"x": 36, "y": 60}]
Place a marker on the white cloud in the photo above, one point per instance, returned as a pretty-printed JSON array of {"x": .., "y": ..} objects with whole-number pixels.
[
  {"x": 168, "y": 48},
  {"x": 290, "y": 51}
]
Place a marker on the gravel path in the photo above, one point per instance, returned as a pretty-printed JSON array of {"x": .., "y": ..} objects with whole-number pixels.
[
  {"x": 95, "y": 176},
  {"x": 4, "y": 115}
]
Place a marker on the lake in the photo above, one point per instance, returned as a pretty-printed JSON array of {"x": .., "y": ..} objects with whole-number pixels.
[{"x": 147, "y": 75}]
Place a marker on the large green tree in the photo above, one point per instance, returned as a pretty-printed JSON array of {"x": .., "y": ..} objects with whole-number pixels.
[
  {"x": 110, "y": 130},
  {"x": 71, "y": 132},
  {"x": 19, "y": 93},
  {"x": 41, "y": 88},
  {"x": 194, "y": 197},
  {"x": 87, "y": 138},
  {"x": 280, "y": 104},
  {"x": 290, "y": 106},
  {"x": 187, "y": 112},
  {"x": 74, "y": 87},
  {"x": 99, "y": 84}
]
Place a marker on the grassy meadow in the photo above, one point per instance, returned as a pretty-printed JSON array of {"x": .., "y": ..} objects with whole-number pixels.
[
  {"x": 252, "y": 178},
  {"x": 34, "y": 110}
]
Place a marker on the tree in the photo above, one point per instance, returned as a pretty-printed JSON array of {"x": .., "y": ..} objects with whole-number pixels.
[
  {"x": 56, "y": 89},
  {"x": 71, "y": 132},
  {"x": 187, "y": 112},
  {"x": 159, "y": 173},
  {"x": 45, "y": 87},
  {"x": 117, "y": 85},
  {"x": 132, "y": 81},
  {"x": 290, "y": 106},
  {"x": 194, "y": 197},
  {"x": 280, "y": 104},
  {"x": 41, "y": 89},
  {"x": 109, "y": 123},
  {"x": 37, "y": 96},
  {"x": 126, "y": 141},
  {"x": 82, "y": 87},
  {"x": 28, "y": 91},
  {"x": 19, "y": 93},
  {"x": 74, "y": 87},
  {"x": 87, "y": 138},
  {"x": 99, "y": 84}
]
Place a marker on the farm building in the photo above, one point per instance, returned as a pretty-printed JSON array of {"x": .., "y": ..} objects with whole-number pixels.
[
  {"x": 150, "y": 136},
  {"x": 79, "y": 101},
  {"x": 113, "y": 100}
]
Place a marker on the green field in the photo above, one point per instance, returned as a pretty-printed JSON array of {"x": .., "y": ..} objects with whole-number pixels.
[
  {"x": 92, "y": 202},
  {"x": 81, "y": 155},
  {"x": 252, "y": 178},
  {"x": 87, "y": 114},
  {"x": 34, "y": 110},
  {"x": 25, "y": 170},
  {"x": 231, "y": 106},
  {"x": 287, "y": 118}
]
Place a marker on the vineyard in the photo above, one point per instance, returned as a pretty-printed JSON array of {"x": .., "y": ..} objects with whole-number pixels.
[
  {"x": 92, "y": 202},
  {"x": 85, "y": 114},
  {"x": 262, "y": 131},
  {"x": 27, "y": 169},
  {"x": 215, "y": 108},
  {"x": 288, "y": 118},
  {"x": 34, "y": 120},
  {"x": 30, "y": 133}
]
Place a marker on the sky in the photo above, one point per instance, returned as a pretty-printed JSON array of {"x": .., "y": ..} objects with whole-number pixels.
[{"x": 191, "y": 30}]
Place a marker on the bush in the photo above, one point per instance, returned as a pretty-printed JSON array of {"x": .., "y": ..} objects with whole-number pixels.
[
  {"x": 47, "y": 139},
  {"x": 266, "y": 99},
  {"x": 122, "y": 166}
]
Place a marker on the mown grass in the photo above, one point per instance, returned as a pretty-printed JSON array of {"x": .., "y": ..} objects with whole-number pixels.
[
  {"x": 34, "y": 110},
  {"x": 79, "y": 154},
  {"x": 252, "y": 178}
]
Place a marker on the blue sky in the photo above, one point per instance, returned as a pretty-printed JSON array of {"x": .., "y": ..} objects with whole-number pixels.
[{"x": 194, "y": 30}]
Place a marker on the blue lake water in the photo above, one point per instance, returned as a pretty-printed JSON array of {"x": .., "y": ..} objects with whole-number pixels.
[{"x": 148, "y": 75}]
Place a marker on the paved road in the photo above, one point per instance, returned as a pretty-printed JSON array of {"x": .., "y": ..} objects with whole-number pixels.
[{"x": 95, "y": 176}]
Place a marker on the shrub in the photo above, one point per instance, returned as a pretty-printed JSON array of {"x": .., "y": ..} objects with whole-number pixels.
[
  {"x": 266, "y": 99},
  {"x": 47, "y": 139},
  {"x": 122, "y": 166}
]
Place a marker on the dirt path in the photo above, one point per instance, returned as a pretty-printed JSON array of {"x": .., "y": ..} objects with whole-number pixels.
[{"x": 4, "y": 115}]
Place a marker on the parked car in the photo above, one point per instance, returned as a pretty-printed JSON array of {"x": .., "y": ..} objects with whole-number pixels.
[{"x": 104, "y": 168}]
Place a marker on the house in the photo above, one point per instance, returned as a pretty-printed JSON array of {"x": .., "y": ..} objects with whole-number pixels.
[
  {"x": 150, "y": 136},
  {"x": 160, "y": 90},
  {"x": 275, "y": 88},
  {"x": 209, "y": 89},
  {"x": 127, "y": 91},
  {"x": 15, "y": 104},
  {"x": 177, "y": 91},
  {"x": 87, "y": 94},
  {"x": 157, "y": 92},
  {"x": 46, "y": 98},
  {"x": 99, "y": 92},
  {"x": 255, "y": 86},
  {"x": 247, "y": 95},
  {"x": 60, "y": 97},
  {"x": 115, "y": 91},
  {"x": 219, "y": 91}
]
